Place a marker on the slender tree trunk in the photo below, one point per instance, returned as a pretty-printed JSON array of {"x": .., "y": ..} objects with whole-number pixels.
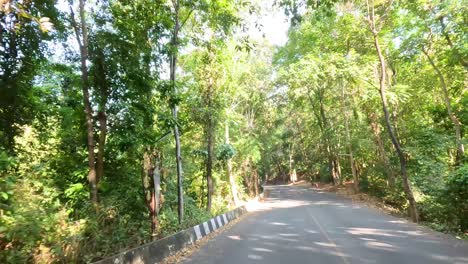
[
  {"x": 173, "y": 64},
  {"x": 290, "y": 167},
  {"x": 209, "y": 146},
  {"x": 337, "y": 167},
  {"x": 156, "y": 195},
  {"x": 381, "y": 149},
  {"x": 255, "y": 179},
  {"x": 406, "y": 185},
  {"x": 102, "y": 84},
  {"x": 232, "y": 181},
  {"x": 348, "y": 139},
  {"x": 101, "y": 146},
  {"x": 333, "y": 163},
  {"x": 448, "y": 105},
  {"x": 209, "y": 171},
  {"x": 81, "y": 33}
]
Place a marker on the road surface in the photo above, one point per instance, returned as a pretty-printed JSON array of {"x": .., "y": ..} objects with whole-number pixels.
[{"x": 301, "y": 225}]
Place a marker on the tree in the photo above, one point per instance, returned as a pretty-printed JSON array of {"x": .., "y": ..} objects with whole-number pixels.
[
  {"x": 24, "y": 27},
  {"x": 375, "y": 26},
  {"x": 81, "y": 34}
]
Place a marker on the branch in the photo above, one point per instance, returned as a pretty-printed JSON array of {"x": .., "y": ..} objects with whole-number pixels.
[
  {"x": 186, "y": 18},
  {"x": 385, "y": 13},
  {"x": 75, "y": 27}
]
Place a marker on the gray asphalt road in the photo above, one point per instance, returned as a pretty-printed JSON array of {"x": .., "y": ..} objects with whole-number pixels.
[{"x": 301, "y": 225}]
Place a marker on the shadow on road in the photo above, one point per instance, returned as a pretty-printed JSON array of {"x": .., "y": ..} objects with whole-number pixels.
[{"x": 296, "y": 224}]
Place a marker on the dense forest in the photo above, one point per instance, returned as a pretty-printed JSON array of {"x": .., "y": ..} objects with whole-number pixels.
[{"x": 124, "y": 121}]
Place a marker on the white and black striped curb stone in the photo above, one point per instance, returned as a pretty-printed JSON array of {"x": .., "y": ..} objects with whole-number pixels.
[{"x": 156, "y": 251}]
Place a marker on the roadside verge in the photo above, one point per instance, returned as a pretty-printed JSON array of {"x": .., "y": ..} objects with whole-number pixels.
[{"x": 156, "y": 251}]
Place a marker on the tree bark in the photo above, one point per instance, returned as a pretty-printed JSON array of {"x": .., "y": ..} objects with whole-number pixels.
[
  {"x": 255, "y": 179},
  {"x": 151, "y": 187},
  {"x": 232, "y": 181},
  {"x": 448, "y": 105},
  {"x": 83, "y": 44},
  {"x": 173, "y": 64},
  {"x": 406, "y": 185}
]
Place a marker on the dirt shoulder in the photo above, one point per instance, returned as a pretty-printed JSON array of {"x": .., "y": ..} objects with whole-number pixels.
[{"x": 346, "y": 191}]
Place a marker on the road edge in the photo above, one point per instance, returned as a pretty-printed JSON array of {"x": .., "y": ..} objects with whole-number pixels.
[{"x": 157, "y": 251}]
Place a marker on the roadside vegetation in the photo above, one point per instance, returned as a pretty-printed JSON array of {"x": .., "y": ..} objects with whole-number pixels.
[{"x": 122, "y": 122}]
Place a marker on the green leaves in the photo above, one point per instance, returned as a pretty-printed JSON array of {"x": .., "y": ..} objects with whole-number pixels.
[
  {"x": 75, "y": 191},
  {"x": 225, "y": 152},
  {"x": 264, "y": 119}
]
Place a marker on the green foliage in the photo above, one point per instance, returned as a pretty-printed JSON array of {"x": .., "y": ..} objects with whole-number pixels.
[
  {"x": 329, "y": 69},
  {"x": 269, "y": 111},
  {"x": 225, "y": 152},
  {"x": 446, "y": 208}
]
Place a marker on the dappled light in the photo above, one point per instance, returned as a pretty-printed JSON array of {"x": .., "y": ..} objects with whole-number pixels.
[
  {"x": 372, "y": 231},
  {"x": 242, "y": 131},
  {"x": 380, "y": 245},
  {"x": 235, "y": 237},
  {"x": 325, "y": 244},
  {"x": 321, "y": 228}
]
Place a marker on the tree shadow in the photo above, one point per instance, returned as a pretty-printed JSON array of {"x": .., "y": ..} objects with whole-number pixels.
[{"x": 299, "y": 225}]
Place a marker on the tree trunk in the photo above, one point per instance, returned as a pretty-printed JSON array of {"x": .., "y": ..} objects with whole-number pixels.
[
  {"x": 209, "y": 146},
  {"x": 406, "y": 185},
  {"x": 381, "y": 149},
  {"x": 232, "y": 181},
  {"x": 291, "y": 161},
  {"x": 337, "y": 168},
  {"x": 348, "y": 139},
  {"x": 448, "y": 105},
  {"x": 173, "y": 64},
  {"x": 101, "y": 146},
  {"x": 333, "y": 163},
  {"x": 255, "y": 179},
  {"x": 102, "y": 85},
  {"x": 151, "y": 178},
  {"x": 156, "y": 196},
  {"x": 83, "y": 44}
]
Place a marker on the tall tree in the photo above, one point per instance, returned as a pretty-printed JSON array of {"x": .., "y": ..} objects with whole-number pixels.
[
  {"x": 448, "y": 105},
  {"x": 81, "y": 34},
  {"x": 375, "y": 25}
]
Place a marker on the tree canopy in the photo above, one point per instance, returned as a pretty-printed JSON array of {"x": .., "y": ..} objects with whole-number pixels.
[{"x": 124, "y": 121}]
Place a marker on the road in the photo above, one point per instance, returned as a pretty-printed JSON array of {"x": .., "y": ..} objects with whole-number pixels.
[{"x": 301, "y": 225}]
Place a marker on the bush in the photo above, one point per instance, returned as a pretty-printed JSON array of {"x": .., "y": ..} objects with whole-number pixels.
[
  {"x": 446, "y": 209},
  {"x": 456, "y": 195}
]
